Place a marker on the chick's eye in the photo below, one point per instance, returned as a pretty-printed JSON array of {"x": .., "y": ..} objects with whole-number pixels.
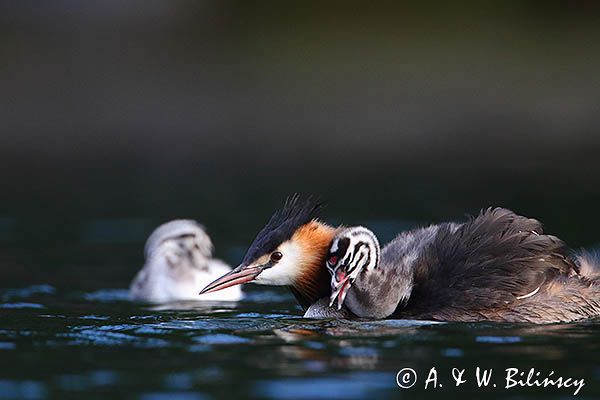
[
  {"x": 333, "y": 259},
  {"x": 276, "y": 256}
]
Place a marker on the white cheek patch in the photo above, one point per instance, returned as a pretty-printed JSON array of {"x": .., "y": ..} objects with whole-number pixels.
[{"x": 286, "y": 271}]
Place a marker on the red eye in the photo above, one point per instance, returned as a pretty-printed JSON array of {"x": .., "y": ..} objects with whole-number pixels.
[{"x": 332, "y": 260}]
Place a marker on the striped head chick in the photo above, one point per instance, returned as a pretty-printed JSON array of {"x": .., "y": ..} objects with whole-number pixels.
[
  {"x": 289, "y": 251},
  {"x": 354, "y": 251}
]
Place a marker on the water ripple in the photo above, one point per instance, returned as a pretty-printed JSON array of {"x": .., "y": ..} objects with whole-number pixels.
[
  {"x": 220, "y": 338},
  {"x": 23, "y": 293},
  {"x": 498, "y": 339},
  {"x": 103, "y": 337},
  {"x": 20, "y": 305},
  {"x": 352, "y": 386}
]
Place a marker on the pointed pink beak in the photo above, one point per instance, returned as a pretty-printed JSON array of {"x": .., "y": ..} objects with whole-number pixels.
[{"x": 237, "y": 276}]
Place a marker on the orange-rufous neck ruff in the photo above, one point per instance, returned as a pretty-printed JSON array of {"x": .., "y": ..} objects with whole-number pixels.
[{"x": 313, "y": 281}]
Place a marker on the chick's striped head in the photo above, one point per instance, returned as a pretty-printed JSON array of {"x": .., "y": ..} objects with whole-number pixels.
[{"x": 352, "y": 251}]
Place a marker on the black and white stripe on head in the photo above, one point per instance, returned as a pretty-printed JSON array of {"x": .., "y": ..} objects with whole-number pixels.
[{"x": 352, "y": 250}]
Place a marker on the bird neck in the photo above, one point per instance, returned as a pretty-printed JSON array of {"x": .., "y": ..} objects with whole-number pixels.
[{"x": 313, "y": 281}]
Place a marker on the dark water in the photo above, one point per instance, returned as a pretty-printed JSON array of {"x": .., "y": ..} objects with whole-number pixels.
[
  {"x": 68, "y": 330},
  {"x": 73, "y": 344}
]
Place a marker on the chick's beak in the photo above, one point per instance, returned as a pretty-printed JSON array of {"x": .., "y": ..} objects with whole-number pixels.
[
  {"x": 241, "y": 274},
  {"x": 340, "y": 284}
]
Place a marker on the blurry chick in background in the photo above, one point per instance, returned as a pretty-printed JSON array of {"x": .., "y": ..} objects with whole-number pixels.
[{"x": 178, "y": 265}]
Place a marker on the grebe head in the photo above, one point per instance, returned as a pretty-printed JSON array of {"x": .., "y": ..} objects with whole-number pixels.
[
  {"x": 288, "y": 251},
  {"x": 352, "y": 251},
  {"x": 177, "y": 240}
]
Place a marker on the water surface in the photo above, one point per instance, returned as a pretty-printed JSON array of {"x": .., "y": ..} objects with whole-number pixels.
[{"x": 98, "y": 344}]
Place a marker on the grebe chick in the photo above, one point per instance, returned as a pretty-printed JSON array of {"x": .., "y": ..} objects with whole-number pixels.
[
  {"x": 498, "y": 266},
  {"x": 178, "y": 264}
]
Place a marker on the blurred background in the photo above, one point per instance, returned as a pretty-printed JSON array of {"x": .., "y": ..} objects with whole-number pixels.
[{"x": 116, "y": 116}]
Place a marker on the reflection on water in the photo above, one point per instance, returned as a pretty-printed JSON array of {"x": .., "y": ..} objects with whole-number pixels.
[
  {"x": 350, "y": 386},
  {"x": 100, "y": 344}
]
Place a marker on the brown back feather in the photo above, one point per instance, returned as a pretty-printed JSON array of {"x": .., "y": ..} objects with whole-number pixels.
[{"x": 483, "y": 267}]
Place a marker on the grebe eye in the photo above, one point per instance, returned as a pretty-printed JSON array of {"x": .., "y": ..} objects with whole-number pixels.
[
  {"x": 276, "y": 256},
  {"x": 332, "y": 260}
]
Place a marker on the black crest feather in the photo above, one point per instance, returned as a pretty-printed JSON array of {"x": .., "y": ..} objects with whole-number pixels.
[{"x": 282, "y": 225}]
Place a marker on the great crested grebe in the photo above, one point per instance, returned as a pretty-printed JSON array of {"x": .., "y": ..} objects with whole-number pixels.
[
  {"x": 498, "y": 266},
  {"x": 289, "y": 251},
  {"x": 178, "y": 264}
]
